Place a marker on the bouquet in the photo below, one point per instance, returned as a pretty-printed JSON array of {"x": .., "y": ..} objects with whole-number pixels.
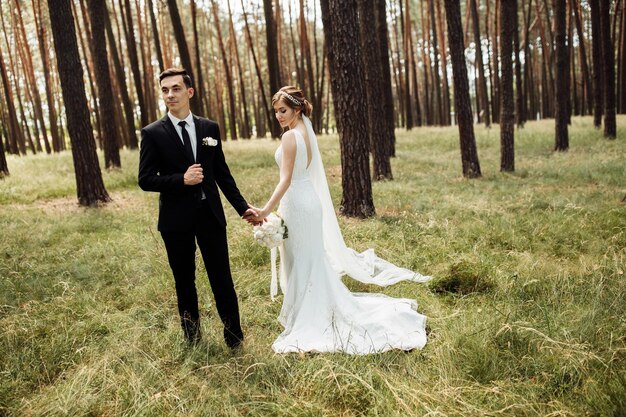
[{"x": 272, "y": 232}]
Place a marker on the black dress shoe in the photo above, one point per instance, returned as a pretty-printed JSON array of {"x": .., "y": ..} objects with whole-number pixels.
[{"x": 233, "y": 339}]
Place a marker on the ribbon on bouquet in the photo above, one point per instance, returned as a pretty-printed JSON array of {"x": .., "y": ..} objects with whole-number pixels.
[{"x": 274, "y": 282}]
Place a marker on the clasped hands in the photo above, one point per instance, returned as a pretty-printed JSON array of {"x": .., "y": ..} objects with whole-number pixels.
[{"x": 254, "y": 215}]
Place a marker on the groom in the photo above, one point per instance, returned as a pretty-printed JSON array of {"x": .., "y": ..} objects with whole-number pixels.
[{"x": 181, "y": 157}]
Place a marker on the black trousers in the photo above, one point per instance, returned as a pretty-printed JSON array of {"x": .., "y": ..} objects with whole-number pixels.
[{"x": 210, "y": 236}]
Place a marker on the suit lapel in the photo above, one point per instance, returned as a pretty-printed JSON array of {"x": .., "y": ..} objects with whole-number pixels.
[{"x": 173, "y": 135}]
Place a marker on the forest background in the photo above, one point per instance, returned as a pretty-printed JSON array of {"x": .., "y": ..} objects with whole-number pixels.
[{"x": 527, "y": 244}]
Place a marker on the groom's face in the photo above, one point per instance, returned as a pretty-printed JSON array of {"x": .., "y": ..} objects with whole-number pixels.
[{"x": 176, "y": 94}]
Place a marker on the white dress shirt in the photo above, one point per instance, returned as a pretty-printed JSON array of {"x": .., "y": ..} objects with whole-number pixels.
[{"x": 191, "y": 129}]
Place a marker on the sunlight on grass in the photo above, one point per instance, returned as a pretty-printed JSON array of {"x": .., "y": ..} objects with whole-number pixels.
[{"x": 526, "y": 311}]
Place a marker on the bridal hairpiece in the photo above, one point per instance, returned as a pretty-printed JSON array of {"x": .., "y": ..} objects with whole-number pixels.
[{"x": 292, "y": 98}]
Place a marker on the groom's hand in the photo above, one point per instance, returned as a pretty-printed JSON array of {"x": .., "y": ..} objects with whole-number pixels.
[
  {"x": 193, "y": 175},
  {"x": 251, "y": 216}
]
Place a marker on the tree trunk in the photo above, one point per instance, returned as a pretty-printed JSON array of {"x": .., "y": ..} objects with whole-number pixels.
[
  {"x": 15, "y": 134},
  {"x": 426, "y": 61},
  {"x": 587, "y": 96},
  {"x": 266, "y": 104},
  {"x": 245, "y": 132},
  {"x": 89, "y": 184},
  {"x": 183, "y": 51},
  {"x": 520, "y": 111},
  {"x": 408, "y": 57},
  {"x": 483, "y": 110},
  {"x": 229, "y": 80},
  {"x": 608, "y": 65},
  {"x": 495, "y": 70},
  {"x": 598, "y": 85},
  {"x": 272, "y": 58},
  {"x": 345, "y": 60},
  {"x": 28, "y": 62},
  {"x": 507, "y": 119},
  {"x": 155, "y": 35},
  {"x": 4, "y": 168},
  {"x": 127, "y": 104},
  {"x": 199, "y": 81},
  {"x": 445, "y": 105},
  {"x": 462, "y": 104},
  {"x": 622, "y": 64},
  {"x": 380, "y": 28},
  {"x": 562, "y": 95},
  {"x": 97, "y": 10},
  {"x": 436, "y": 76},
  {"x": 45, "y": 63},
  {"x": 373, "y": 68},
  {"x": 134, "y": 62}
]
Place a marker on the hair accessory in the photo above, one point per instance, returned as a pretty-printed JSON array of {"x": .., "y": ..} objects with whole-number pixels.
[{"x": 292, "y": 99}]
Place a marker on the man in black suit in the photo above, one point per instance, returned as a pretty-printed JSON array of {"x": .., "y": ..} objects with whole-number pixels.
[{"x": 181, "y": 157}]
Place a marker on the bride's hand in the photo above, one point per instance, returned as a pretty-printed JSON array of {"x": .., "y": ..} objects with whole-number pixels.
[{"x": 254, "y": 215}]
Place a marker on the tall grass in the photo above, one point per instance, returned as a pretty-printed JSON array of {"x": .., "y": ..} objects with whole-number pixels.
[{"x": 526, "y": 311}]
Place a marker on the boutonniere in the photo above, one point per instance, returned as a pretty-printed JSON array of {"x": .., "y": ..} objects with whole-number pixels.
[{"x": 209, "y": 141}]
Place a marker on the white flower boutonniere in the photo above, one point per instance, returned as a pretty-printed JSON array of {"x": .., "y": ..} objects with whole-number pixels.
[{"x": 209, "y": 141}]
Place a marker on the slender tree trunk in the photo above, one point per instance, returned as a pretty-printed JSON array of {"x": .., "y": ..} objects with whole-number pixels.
[
  {"x": 436, "y": 76},
  {"x": 183, "y": 50},
  {"x": 272, "y": 58},
  {"x": 245, "y": 132},
  {"x": 4, "y": 168},
  {"x": 380, "y": 28},
  {"x": 622, "y": 64},
  {"x": 199, "y": 82},
  {"x": 345, "y": 60},
  {"x": 97, "y": 10},
  {"x": 507, "y": 119},
  {"x": 28, "y": 62},
  {"x": 89, "y": 184},
  {"x": 229, "y": 80},
  {"x": 582, "y": 50},
  {"x": 445, "y": 105},
  {"x": 408, "y": 55},
  {"x": 426, "y": 63},
  {"x": 45, "y": 63},
  {"x": 373, "y": 68},
  {"x": 462, "y": 103},
  {"x": 134, "y": 62},
  {"x": 266, "y": 104},
  {"x": 118, "y": 70},
  {"x": 562, "y": 95},
  {"x": 520, "y": 115},
  {"x": 15, "y": 132},
  {"x": 608, "y": 65},
  {"x": 416, "y": 95},
  {"x": 598, "y": 85},
  {"x": 483, "y": 111},
  {"x": 155, "y": 34},
  {"x": 496, "y": 54}
]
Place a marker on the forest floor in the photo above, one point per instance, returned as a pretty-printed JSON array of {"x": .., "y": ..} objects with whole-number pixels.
[{"x": 526, "y": 314}]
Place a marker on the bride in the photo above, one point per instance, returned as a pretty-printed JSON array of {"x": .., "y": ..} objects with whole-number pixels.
[{"x": 319, "y": 313}]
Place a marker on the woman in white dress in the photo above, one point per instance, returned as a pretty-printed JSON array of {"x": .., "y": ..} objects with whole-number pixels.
[{"x": 319, "y": 313}]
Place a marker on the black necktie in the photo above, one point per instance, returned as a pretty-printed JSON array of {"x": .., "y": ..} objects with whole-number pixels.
[{"x": 186, "y": 140}]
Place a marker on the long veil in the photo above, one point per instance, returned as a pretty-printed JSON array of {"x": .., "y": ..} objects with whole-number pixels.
[{"x": 365, "y": 267}]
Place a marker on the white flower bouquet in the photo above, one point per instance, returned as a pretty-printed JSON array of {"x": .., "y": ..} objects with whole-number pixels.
[{"x": 272, "y": 232}]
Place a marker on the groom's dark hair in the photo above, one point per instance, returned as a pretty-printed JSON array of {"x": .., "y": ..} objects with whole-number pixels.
[{"x": 170, "y": 72}]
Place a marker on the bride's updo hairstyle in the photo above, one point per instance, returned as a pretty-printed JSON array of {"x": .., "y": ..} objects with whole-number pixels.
[{"x": 293, "y": 98}]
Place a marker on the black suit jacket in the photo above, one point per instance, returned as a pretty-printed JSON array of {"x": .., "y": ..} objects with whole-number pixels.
[{"x": 162, "y": 163}]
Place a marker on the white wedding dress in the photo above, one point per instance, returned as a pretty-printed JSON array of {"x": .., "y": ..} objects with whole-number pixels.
[{"x": 319, "y": 313}]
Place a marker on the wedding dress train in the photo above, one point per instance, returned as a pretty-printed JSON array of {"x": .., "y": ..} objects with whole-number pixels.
[{"x": 319, "y": 313}]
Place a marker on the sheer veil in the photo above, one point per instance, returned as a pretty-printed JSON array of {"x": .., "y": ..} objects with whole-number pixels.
[{"x": 365, "y": 267}]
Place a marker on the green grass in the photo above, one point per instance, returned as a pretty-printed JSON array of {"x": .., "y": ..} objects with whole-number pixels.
[{"x": 526, "y": 311}]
